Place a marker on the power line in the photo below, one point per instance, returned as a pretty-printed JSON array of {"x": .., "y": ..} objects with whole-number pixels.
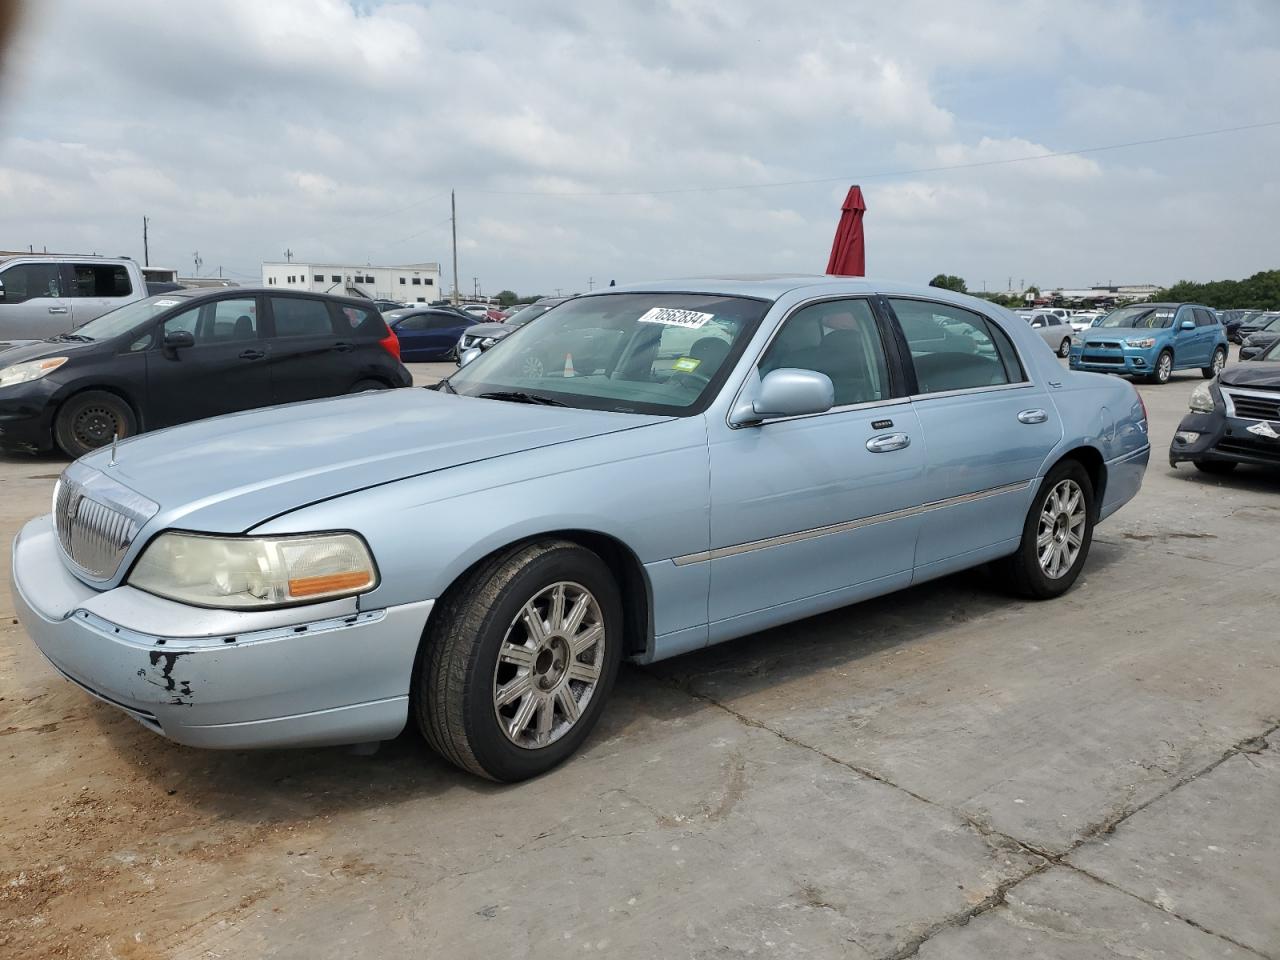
[{"x": 849, "y": 178}]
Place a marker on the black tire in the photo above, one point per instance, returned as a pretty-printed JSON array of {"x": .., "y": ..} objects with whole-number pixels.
[
  {"x": 364, "y": 386},
  {"x": 1162, "y": 373},
  {"x": 454, "y": 690},
  {"x": 1064, "y": 348},
  {"x": 1218, "y": 361},
  {"x": 89, "y": 420},
  {"x": 1022, "y": 571},
  {"x": 1218, "y": 467}
]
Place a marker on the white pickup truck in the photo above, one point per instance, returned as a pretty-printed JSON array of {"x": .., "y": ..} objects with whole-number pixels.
[{"x": 44, "y": 295}]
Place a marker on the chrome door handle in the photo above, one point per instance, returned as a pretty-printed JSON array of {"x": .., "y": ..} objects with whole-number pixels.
[
  {"x": 57, "y": 309},
  {"x": 888, "y": 442},
  {"x": 1033, "y": 416}
]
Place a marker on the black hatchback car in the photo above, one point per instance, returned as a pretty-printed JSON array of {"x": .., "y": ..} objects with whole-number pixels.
[
  {"x": 1234, "y": 418},
  {"x": 189, "y": 354}
]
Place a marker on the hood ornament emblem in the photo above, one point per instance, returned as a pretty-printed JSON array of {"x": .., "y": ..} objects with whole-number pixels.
[{"x": 1264, "y": 429}]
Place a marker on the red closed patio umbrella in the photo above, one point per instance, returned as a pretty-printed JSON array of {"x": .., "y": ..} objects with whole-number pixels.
[{"x": 849, "y": 249}]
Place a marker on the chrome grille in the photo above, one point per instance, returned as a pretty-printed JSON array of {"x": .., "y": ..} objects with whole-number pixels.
[
  {"x": 1255, "y": 408},
  {"x": 97, "y": 520}
]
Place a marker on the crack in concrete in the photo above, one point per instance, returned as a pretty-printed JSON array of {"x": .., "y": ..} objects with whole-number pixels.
[{"x": 1101, "y": 827}]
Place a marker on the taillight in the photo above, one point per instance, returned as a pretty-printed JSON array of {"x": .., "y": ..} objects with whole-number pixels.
[
  {"x": 1142, "y": 403},
  {"x": 391, "y": 343}
]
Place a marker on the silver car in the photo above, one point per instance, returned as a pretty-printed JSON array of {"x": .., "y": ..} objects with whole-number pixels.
[
  {"x": 704, "y": 459},
  {"x": 1053, "y": 330}
]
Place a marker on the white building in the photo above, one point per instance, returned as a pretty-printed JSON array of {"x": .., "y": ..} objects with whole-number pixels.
[{"x": 409, "y": 283}]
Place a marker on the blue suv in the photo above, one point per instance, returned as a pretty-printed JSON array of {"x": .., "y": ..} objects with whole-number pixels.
[{"x": 1152, "y": 340}]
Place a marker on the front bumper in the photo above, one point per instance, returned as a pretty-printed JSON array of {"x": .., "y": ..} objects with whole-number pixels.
[
  {"x": 1223, "y": 438},
  {"x": 220, "y": 679},
  {"x": 1131, "y": 362},
  {"x": 26, "y": 415}
]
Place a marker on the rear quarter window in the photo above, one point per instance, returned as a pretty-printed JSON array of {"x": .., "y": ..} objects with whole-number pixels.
[{"x": 358, "y": 321}]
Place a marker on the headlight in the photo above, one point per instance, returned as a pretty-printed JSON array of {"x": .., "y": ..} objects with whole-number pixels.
[
  {"x": 31, "y": 370},
  {"x": 1141, "y": 342},
  {"x": 1202, "y": 399},
  {"x": 488, "y": 341},
  {"x": 254, "y": 572}
]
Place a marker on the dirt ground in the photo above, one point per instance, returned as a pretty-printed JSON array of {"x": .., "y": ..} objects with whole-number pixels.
[{"x": 941, "y": 773}]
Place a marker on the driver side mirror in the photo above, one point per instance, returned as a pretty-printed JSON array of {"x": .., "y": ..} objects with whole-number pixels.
[
  {"x": 1187, "y": 325},
  {"x": 178, "y": 340},
  {"x": 787, "y": 392}
]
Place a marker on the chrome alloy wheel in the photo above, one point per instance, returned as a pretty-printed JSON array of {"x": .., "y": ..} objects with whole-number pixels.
[
  {"x": 1219, "y": 361},
  {"x": 1164, "y": 368},
  {"x": 1061, "y": 530},
  {"x": 549, "y": 665}
]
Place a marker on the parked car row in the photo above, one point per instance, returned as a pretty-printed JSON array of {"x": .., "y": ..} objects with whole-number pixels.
[{"x": 1152, "y": 340}]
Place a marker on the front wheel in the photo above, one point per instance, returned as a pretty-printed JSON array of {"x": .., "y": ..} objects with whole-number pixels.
[
  {"x": 1064, "y": 348},
  {"x": 91, "y": 420},
  {"x": 1164, "y": 367},
  {"x": 1216, "y": 364},
  {"x": 519, "y": 661},
  {"x": 1056, "y": 535}
]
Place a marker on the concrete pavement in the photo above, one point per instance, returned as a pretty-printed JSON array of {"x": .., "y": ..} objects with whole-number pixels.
[{"x": 940, "y": 773}]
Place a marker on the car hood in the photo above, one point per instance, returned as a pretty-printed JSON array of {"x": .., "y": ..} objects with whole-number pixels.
[
  {"x": 20, "y": 351},
  {"x": 488, "y": 330},
  {"x": 231, "y": 473},
  {"x": 1259, "y": 373}
]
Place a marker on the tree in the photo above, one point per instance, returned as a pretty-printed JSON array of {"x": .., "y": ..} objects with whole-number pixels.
[
  {"x": 1259, "y": 292},
  {"x": 949, "y": 282},
  {"x": 507, "y": 297}
]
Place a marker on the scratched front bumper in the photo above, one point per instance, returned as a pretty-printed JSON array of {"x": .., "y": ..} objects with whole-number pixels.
[{"x": 232, "y": 680}]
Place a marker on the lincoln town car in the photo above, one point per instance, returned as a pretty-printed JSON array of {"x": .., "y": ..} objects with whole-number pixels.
[{"x": 687, "y": 462}]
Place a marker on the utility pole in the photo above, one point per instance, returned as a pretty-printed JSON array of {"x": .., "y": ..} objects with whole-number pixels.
[
  {"x": 453, "y": 217},
  {"x": 591, "y": 283},
  {"x": 219, "y": 273},
  {"x": 288, "y": 255},
  {"x": 146, "y": 252},
  {"x": 198, "y": 262},
  {"x": 475, "y": 288}
]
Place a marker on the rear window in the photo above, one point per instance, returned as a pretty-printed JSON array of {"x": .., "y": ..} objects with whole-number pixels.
[
  {"x": 301, "y": 317},
  {"x": 358, "y": 321},
  {"x": 99, "y": 280}
]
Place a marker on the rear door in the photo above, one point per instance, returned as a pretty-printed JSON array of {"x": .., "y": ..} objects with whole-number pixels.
[
  {"x": 1207, "y": 327},
  {"x": 33, "y": 301},
  {"x": 224, "y": 372},
  {"x": 307, "y": 356},
  {"x": 987, "y": 427},
  {"x": 97, "y": 288}
]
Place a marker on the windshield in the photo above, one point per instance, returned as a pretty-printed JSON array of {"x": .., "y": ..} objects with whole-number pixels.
[
  {"x": 528, "y": 313},
  {"x": 126, "y": 318},
  {"x": 626, "y": 352},
  {"x": 1139, "y": 318},
  {"x": 1269, "y": 322}
]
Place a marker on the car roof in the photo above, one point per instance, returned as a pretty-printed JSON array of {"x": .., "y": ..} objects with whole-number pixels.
[
  {"x": 771, "y": 286},
  {"x": 234, "y": 293}
]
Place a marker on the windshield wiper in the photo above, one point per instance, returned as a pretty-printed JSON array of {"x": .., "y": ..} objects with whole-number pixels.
[
  {"x": 73, "y": 337},
  {"x": 516, "y": 396},
  {"x": 443, "y": 386}
]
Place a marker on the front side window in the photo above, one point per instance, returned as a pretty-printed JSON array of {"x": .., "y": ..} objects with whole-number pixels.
[
  {"x": 28, "y": 281},
  {"x": 219, "y": 322},
  {"x": 300, "y": 317},
  {"x": 99, "y": 280},
  {"x": 955, "y": 349},
  {"x": 839, "y": 338},
  {"x": 626, "y": 352}
]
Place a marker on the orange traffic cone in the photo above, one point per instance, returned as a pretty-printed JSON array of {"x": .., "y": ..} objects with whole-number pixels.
[{"x": 568, "y": 365}]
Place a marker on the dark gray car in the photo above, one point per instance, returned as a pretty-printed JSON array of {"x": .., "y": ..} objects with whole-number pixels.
[{"x": 485, "y": 335}]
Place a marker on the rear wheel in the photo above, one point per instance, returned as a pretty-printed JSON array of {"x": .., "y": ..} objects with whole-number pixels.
[
  {"x": 1164, "y": 367},
  {"x": 1056, "y": 536},
  {"x": 1216, "y": 364},
  {"x": 91, "y": 420},
  {"x": 1064, "y": 348},
  {"x": 519, "y": 661},
  {"x": 1215, "y": 466}
]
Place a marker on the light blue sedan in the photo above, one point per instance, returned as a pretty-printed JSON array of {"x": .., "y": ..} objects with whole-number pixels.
[{"x": 686, "y": 463}]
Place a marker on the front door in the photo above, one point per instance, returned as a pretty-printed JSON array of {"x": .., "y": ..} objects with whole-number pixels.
[
  {"x": 987, "y": 425},
  {"x": 224, "y": 372},
  {"x": 33, "y": 301},
  {"x": 805, "y": 511},
  {"x": 1188, "y": 345}
]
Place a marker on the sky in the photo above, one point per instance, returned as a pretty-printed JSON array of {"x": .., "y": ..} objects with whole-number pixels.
[{"x": 626, "y": 140}]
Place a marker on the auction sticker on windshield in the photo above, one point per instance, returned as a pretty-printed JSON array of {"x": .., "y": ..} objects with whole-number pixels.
[{"x": 671, "y": 317}]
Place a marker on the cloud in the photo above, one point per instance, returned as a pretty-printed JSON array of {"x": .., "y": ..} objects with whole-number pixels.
[{"x": 337, "y": 129}]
